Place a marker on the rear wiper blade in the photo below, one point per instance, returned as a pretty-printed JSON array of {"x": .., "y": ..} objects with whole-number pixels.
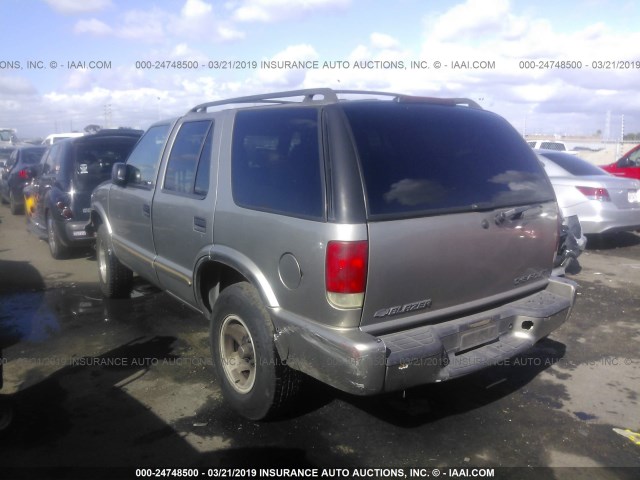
[{"x": 512, "y": 213}]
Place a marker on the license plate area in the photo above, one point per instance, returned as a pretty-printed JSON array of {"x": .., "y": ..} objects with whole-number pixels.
[
  {"x": 633, "y": 196},
  {"x": 478, "y": 336}
]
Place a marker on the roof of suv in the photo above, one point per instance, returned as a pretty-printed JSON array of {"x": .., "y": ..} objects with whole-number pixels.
[{"x": 327, "y": 96}]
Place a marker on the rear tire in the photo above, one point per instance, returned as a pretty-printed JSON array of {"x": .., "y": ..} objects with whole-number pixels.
[
  {"x": 57, "y": 249},
  {"x": 254, "y": 380},
  {"x": 116, "y": 280},
  {"x": 13, "y": 206}
]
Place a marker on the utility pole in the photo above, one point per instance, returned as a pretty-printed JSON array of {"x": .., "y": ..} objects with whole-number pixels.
[{"x": 107, "y": 115}]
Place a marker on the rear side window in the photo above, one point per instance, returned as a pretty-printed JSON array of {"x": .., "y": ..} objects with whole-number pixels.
[
  {"x": 52, "y": 162},
  {"x": 276, "y": 161},
  {"x": 429, "y": 159},
  {"x": 31, "y": 156},
  {"x": 189, "y": 162},
  {"x": 93, "y": 160}
]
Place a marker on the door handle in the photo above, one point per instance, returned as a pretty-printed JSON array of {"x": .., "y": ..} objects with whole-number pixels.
[
  {"x": 200, "y": 224},
  {"x": 146, "y": 210}
]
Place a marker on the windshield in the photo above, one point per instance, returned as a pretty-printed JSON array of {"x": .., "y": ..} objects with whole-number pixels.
[
  {"x": 573, "y": 165},
  {"x": 93, "y": 160},
  {"x": 421, "y": 158}
]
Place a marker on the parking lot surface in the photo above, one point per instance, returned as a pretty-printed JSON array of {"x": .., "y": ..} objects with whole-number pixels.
[{"x": 129, "y": 384}]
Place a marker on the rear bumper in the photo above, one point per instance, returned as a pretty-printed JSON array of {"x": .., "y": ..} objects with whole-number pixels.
[
  {"x": 610, "y": 219},
  {"x": 73, "y": 233},
  {"x": 363, "y": 364}
]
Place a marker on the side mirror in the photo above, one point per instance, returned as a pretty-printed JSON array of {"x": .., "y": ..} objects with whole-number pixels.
[{"x": 119, "y": 174}]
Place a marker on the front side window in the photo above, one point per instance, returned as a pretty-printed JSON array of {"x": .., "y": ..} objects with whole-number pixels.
[
  {"x": 276, "y": 161},
  {"x": 191, "y": 147},
  {"x": 634, "y": 158},
  {"x": 145, "y": 157}
]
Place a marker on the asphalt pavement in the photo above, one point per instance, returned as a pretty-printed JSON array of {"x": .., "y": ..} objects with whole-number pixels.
[{"x": 101, "y": 388}]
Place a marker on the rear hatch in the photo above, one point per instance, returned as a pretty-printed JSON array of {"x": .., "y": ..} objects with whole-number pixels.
[
  {"x": 93, "y": 159},
  {"x": 461, "y": 215}
]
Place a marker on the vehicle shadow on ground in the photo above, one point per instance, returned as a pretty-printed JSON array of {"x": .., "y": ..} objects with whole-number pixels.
[
  {"x": 429, "y": 403},
  {"x": 611, "y": 241},
  {"x": 81, "y": 416}
]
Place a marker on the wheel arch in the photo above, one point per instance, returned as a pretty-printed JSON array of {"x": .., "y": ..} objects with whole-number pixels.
[
  {"x": 224, "y": 267},
  {"x": 98, "y": 217}
]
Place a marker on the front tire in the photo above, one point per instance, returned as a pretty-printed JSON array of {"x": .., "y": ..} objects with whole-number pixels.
[
  {"x": 116, "y": 280},
  {"x": 254, "y": 380}
]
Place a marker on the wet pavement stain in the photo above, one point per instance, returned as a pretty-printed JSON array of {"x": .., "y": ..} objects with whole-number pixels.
[{"x": 585, "y": 416}]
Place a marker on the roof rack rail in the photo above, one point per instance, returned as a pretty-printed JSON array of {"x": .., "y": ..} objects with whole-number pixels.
[
  {"x": 328, "y": 95},
  {"x": 441, "y": 101}
]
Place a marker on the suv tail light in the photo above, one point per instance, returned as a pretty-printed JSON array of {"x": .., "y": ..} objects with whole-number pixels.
[
  {"x": 64, "y": 210},
  {"x": 346, "y": 273},
  {"x": 24, "y": 174},
  {"x": 592, "y": 193}
]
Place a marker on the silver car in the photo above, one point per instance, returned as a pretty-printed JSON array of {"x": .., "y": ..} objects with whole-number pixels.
[{"x": 602, "y": 202}]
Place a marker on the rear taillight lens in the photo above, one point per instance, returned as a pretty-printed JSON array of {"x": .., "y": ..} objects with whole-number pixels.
[
  {"x": 64, "y": 209},
  {"x": 346, "y": 273},
  {"x": 593, "y": 193},
  {"x": 24, "y": 174}
]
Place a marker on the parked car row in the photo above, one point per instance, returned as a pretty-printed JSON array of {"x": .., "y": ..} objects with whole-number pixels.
[{"x": 53, "y": 184}]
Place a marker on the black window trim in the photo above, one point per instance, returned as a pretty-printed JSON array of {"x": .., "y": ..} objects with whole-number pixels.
[
  {"x": 151, "y": 185},
  {"x": 192, "y": 195}
]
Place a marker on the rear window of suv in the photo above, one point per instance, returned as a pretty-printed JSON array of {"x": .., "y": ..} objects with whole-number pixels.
[
  {"x": 93, "y": 160},
  {"x": 429, "y": 159}
]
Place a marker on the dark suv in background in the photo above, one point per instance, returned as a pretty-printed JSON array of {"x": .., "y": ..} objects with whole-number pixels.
[
  {"x": 63, "y": 183},
  {"x": 17, "y": 173},
  {"x": 375, "y": 244}
]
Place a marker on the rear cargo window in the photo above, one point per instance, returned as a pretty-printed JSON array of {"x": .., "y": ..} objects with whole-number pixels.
[
  {"x": 93, "y": 160},
  {"x": 31, "y": 156},
  {"x": 276, "y": 161},
  {"x": 429, "y": 159}
]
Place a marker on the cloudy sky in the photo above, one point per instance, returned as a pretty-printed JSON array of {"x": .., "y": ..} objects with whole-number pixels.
[{"x": 547, "y": 66}]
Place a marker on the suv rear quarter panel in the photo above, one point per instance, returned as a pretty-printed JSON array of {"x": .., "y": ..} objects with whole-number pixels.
[{"x": 288, "y": 252}]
